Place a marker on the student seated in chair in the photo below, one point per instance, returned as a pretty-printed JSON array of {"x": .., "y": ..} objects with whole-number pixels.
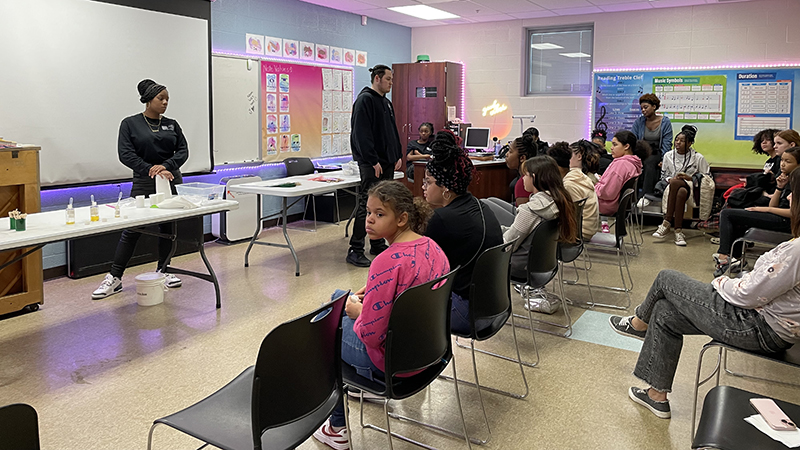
[
  {"x": 548, "y": 200},
  {"x": 628, "y": 155},
  {"x": 411, "y": 259},
  {"x": 759, "y": 312},
  {"x": 579, "y": 186},
  {"x": 677, "y": 169},
  {"x": 463, "y": 227}
]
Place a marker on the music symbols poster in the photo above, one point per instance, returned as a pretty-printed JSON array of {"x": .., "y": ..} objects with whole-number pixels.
[{"x": 727, "y": 106}]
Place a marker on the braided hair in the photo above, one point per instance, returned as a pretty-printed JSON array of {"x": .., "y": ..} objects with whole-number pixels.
[
  {"x": 590, "y": 155},
  {"x": 450, "y": 166},
  {"x": 526, "y": 145},
  {"x": 148, "y": 89}
]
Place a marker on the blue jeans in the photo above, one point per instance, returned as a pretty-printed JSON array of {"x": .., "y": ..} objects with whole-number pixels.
[
  {"x": 678, "y": 305},
  {"x": 354, "y": 353}
]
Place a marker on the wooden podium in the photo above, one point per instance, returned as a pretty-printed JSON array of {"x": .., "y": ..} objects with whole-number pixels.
[{"x": 20, "y": 282}]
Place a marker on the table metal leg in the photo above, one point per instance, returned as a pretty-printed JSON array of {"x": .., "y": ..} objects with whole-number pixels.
[
  {"x": 255, "y": 236},
  {"x": 288, "y": 241}
]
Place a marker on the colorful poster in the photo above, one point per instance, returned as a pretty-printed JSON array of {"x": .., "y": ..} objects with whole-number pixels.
[
  {"x": 349, "y": 56},
  {"x": 697, "y": 99},
  {"x": 291, "y": 49},
  {"x": 307, "y": 50},
  {"x": 284, "y": 103},
  {"x": 285, "y": 143},
  {"x": 322, "y": 53},
  {"x": 273, "y": 46},
  {"x": 272, "y": 103},
  {"x": 272, "y": 123},
  {"x": 286, "y": 123},
  {"x": 361, "y": 58},
  {"x": 272, "y": 145},
  {"x": 336, "y": 55},
  {"x": 326, "y": 122},
  {"x": 254, "y": 44},
  {"x": 283, "y": 84},
  {"x": 763, "y": 100},
  {"x": 296, "y": 143},
  {"x": 271, "y": 82}
]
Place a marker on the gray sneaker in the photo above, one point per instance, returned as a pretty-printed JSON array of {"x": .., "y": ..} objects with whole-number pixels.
[
  {"x": 110, "y": 286},
  {"x": 660, "y": 409},
  {"x": 542, "y": 305},
  {"x": 622, "y": 325}
]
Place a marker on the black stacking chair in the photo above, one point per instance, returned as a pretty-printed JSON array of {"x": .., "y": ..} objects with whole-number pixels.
[
  {"x": 635, "y": 216},
  {"x": 542, "y": 268},
  {"x": 569, "y": 253},
  {"x": 278, "y": 403},
  {"x": 790, "y": 357},
  {"x": 304, "y": 166},
  {"x": 616, "y": 242},
  {"x": 722, "y": 424},
  {"x": 418, "y": 339},
  {"x": 760, "y": 237},
  {"x": 490, "y": 301},
  {"x": 19, "y": 427}
]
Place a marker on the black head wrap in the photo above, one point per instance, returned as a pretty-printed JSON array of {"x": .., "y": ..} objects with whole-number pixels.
[
  {"x": 148, "y": 89},
  {"x": 450, "y": 166}
]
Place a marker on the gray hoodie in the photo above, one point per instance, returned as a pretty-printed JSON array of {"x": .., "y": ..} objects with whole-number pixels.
[{"x": 540, "y": 207}]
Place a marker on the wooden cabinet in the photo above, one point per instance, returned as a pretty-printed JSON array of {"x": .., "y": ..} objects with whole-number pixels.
[
  {"x": 421, "y": 92},
  {"x": 21, "y": 282}
]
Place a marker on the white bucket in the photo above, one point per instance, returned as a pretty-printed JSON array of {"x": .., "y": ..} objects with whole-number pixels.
[{"x": 150, "y": 288}]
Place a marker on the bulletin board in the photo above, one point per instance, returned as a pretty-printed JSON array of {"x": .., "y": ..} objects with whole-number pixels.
[
  {"x": 305, "y": 110},
  {"x": 727, "y": 106}
]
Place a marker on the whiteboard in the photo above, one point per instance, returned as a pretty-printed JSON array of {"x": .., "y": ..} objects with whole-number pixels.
[
  {"x": 237, "y": 136},
  {"x": 70, "y": 70}
]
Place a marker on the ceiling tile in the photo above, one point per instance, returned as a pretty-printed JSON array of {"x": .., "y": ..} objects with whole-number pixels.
[
  {"x": 675, "y": 3},
  {"x": 561, "y": 4},
  {"x": 342, "y": 5},
  {"x": 466, "y": 9},
  {"x": 388, "y": 3},
  {"x": 533, "y": 14},
  {"x": 492, "y": 18},
  {"x": 509, "y": 6},
  {"x": 612, "y": 2},
  {"x": 625, "y": 7},
  {"x": 576, "y": 11}
]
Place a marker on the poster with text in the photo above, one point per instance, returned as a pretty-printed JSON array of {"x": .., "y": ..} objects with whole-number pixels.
[{"x": 728, "y": 106}]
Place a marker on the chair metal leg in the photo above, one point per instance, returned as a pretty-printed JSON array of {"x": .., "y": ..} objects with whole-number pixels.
[
  {"x": 567, "y": 327},
  {"x": 752, "y": 377},
  {"x": 475, "y": 367},
  {"x": 150, "y": 436},
  {"x": 514, "y": 326},
  {"x": 698, "y": 383},
  {"x": 622, "y": 259}
]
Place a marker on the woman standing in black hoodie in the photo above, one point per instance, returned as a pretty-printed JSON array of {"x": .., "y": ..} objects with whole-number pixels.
[{"x": 377, "y": 150}]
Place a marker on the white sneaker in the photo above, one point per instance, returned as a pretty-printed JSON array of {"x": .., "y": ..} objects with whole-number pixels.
[
  {"x": 662, "y": 231},
  {"x": 680, "y": 239},
  {"x": 172, "y": 282},
  {"x": 110, "y": 286},
  {"x": 643, "y": 203},
  {"x": 337, "y": 440}
]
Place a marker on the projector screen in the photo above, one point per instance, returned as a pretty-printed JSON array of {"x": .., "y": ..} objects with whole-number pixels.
[{"x": 70, "y": 70}]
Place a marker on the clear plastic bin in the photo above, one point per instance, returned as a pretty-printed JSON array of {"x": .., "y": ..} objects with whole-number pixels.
[{"x": 207, "y": 191}]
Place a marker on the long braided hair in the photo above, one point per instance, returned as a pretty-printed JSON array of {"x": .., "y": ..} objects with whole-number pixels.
[{"x": 450, "y": 166}]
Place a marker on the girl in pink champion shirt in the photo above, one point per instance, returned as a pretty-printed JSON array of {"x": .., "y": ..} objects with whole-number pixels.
[{"x": 411, "y": 259}]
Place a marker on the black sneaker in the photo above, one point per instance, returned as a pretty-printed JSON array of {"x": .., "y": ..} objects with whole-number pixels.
[
  {"x": 378, "y": 249},
  {"x": 736, "y": 267},
  {"x": 357, "y": 259},
  {"x": 660, "y": 409},
  {"x": 622, "y": 325}
]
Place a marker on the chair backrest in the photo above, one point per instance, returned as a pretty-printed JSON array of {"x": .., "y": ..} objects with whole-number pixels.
[
  {"x": 490, "y": 291},
  {"x": 298, "y": 166},
  {"x": 625, "y": 204},
  {"x": 569, "y": 252},
  {"x": 19, "y": 427},
  {"x": 630, "y": 184},
  {"x": 543, "y": 254},
  {"x": 299, "y": 368},
  {"x": 419, "y": 327}
]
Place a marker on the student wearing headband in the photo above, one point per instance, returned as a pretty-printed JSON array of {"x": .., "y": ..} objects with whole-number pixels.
[
  {"x": 462, "y": 227},
  {"x": 151, "y": 145}
]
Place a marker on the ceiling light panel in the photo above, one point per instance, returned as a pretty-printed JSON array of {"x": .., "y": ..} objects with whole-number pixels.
[{"x": 424, "y": 12}]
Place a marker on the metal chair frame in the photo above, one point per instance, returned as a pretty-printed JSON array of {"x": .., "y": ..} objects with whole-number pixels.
[{"x": 308, "y": 170}]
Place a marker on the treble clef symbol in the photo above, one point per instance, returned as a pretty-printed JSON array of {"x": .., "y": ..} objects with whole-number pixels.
[{"x": 599, "y": 124}]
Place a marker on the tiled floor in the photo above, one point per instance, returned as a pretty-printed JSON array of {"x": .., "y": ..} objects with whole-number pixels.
[{"x": 99, "y": 372}]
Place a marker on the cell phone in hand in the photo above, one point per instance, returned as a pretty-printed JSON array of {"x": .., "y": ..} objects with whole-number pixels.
[{"x": 772, "y": 414}]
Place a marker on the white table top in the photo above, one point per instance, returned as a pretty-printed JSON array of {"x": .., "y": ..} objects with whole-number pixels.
[
  {"x": 306, "y": 186},
  {"x": 45, "y": 227}
]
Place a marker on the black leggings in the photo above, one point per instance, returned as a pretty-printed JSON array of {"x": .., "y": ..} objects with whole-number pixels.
[
  {"x": 128, "y": 240},
  {"x": 734, "y": 222},
  {"x": 651, "y": 172},
  {"x": 676, "y": 202}
]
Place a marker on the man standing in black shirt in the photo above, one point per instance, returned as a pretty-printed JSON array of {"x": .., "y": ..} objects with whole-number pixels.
[{"x": 377, "y": 150}]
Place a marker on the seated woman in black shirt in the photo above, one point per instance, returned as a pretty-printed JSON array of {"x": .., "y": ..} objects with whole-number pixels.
[
  {"x": 417, "y": 149},
  {"x": 764, "y": 144},
  {"x": 461, "y": 227}
]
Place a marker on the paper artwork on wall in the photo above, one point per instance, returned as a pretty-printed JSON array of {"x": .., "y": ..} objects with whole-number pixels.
[
  {"x": 326, "y": 122},
  {"x": 272, "y": 123},
  {"x": 283, "y": 85},
  {"x": 345, "y": 147},
  {"x": 322, "y": 53},
  {"x": 272, "y": 103},
  {"x": 326, "y": 145},
  {"x": 307, "y": 50},
  {"x": 349, "y": 56},
  {"x": 337, "y": 80},
  {"x": 284, "y": 103},
  {"x": 337, "y": 127},
  {"x": 272, "y": 82},
  {"x": 336, "y": 54},
  {"x": 291, "y": 49},
  {"x": 336, "y": 144},
  {"x": 296, "y": 143},
  {"x": 285, "y": 143},
  {"x": 272, "y": 145},
  {"x": 361, "y": 59},
  {"x": 327, "y": 101},
  {"x": 273, "y": 46},
  {"x": 347, "y": 101},
  {"x": 327, "y": 79},
  {"x": 344, "y": 120},
  {"x": 347, "y": 80},
  {"x": 337, "y": 100},
  {"x": 286, "y": 123},
  {"x": 254, "y": 43}
]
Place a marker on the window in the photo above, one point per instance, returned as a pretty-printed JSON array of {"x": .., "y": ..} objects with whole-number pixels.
[{"x": 559, "y": 60}]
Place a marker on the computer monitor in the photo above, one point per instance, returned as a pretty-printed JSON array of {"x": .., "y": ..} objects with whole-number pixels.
[{"x": 477, "y": 138}]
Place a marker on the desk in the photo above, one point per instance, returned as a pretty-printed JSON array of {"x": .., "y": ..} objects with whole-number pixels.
[
  {"x": 44, "y": 228},
  {"x": 306, "y": 187},
  {"x": 490, "y": 179}
]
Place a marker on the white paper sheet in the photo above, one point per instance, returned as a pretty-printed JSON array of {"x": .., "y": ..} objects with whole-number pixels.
[{"x": 788, "y": 438}]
